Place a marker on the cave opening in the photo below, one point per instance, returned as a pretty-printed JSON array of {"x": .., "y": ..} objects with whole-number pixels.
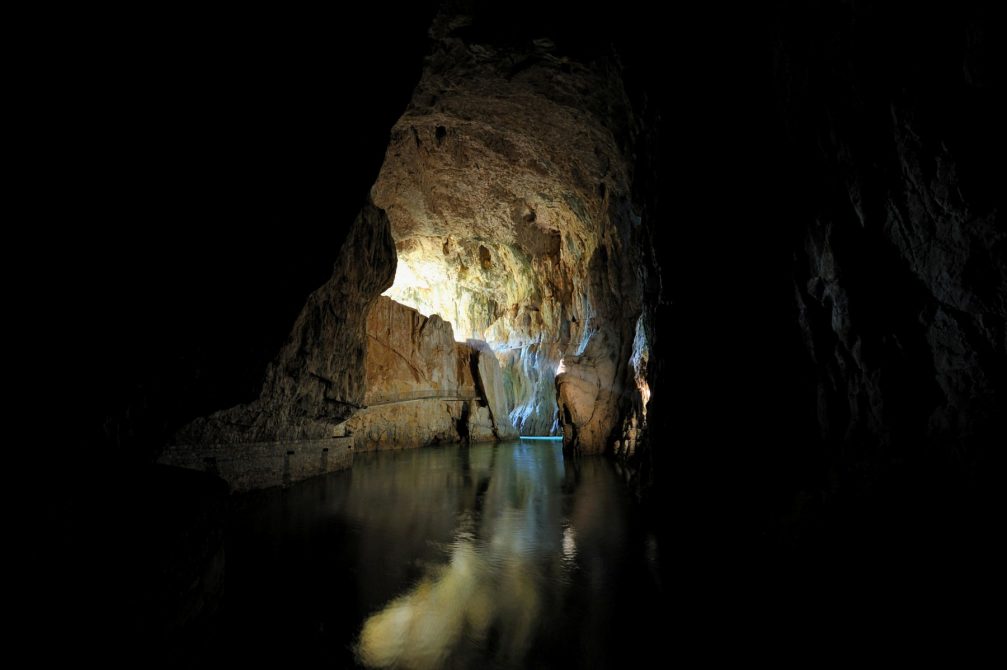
[
  {"x": 510, "y": 203},
  {"x": 491, "y": 292}
]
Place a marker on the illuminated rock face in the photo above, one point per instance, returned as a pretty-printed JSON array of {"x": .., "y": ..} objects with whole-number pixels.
[
  {"x": 490, "y": 387},
  {"x": 361, "y": 364},
  {"x": 508, "y": 194},
  {"x": 423, "y": 387},
  {"x": 318, "y": 379},
  {"x": 411, "y": 355}
]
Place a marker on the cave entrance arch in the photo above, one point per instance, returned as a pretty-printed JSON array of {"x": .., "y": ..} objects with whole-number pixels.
[{"x": 508, "y": 198}]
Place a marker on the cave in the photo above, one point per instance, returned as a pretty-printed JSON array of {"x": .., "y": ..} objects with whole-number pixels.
[
  {"x": 501, "y": 199},
  {"x": 520, "y": 335}
]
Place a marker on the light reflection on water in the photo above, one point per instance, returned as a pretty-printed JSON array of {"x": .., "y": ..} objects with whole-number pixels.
[
  {"x": 481, "y": 556},
  {"x": 505, "y": 558},
  {"x": 509, "y": 565}
]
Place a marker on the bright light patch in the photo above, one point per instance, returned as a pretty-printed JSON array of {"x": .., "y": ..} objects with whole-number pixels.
[
  {"x": 644, "y": 388},
  {"x": 640, "y": 360},
  {"x": 426, "y": 286},
  {"x": 561, "y": 368},
  {"x": 569, "y": 543}
]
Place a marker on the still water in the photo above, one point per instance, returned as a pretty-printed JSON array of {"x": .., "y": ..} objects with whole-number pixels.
[{"x": 483, "y": 556}]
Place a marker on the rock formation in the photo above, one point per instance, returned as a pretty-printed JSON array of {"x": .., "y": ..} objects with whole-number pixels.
[
  {"x": 900, "y": 274},
  {"x": 507, "y": 192},
  {"x": 489, "y": 384},
  {"x": 847, "y": 301},
  {"x": 423, "y": 387},
  {"x": 317, "y": 380},
  {"x": 356, "y": 364},
  {"x": 507, "y": 188}
]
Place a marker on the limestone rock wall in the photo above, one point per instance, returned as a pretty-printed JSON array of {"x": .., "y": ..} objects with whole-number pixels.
[
  {"x": 410, "y": 355},
  {"x": 597, "y": 392},
  {"x": 901, "y": 267},
  {"x": 507, "y": 185},
  {"x": 415, "y": 423},
  {"x": 490, "y": 381},
  {"x": 318, "y": 379},
  {"x": 529, "y": 372},
  {"x": 256, "y": 465},
  {"x": 423, "y": 387},
  {"x": 508, "y": 189}
]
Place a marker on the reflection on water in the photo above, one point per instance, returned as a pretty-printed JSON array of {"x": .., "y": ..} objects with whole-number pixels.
[
  {"x": 499, "y": 556},
  {"x": 507, "y": 554}
]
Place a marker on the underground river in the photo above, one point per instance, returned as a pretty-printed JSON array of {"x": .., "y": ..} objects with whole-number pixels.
[{"x": 450, "y": 556}]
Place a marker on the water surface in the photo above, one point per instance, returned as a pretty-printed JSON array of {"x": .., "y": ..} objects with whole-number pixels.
[{"x": 482, "y": 556}]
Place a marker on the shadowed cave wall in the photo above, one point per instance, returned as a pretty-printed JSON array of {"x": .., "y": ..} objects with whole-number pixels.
[
  {"x": 828, "y": 387},
  {"x": 199, "y": 203}
]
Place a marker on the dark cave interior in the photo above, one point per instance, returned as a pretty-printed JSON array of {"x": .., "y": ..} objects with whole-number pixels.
[{"x": 820, "y": 184}]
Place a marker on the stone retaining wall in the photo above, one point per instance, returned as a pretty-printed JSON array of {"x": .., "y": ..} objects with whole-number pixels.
[{"x": 254, "y": 465}]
